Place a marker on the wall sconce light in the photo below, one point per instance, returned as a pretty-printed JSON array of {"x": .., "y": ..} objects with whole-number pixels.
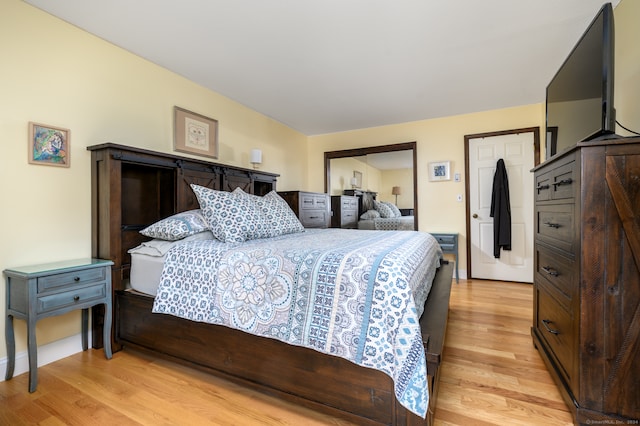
[
  {"x": 256, "y": 157},
  {"x": 396, "y": 191}
]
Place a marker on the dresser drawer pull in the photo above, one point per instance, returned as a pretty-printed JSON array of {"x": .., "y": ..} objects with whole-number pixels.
[
  {"x": 76, "y": 279},
  {"x": 550, "y": 330},
  {"x": 549, "y": 270},
  {"x": 563, "y": 182},
  {"x": 542, "y": 187},
  {"x": 552, "y": 225},
  {"x": 314, "y": 217},
  {"x": 76, "y": 298}
]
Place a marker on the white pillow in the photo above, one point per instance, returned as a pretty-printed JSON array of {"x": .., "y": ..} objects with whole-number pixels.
[
  {"x": 231, "y": 217},
  {"x": 177, "y": 227},
  {"x": 370, "y": 215}
]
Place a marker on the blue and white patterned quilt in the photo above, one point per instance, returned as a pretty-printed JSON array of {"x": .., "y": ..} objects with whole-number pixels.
[{"x": 349, "y": 293}]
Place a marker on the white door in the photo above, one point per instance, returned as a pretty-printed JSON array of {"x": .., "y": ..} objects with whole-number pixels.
[{"x": 518, "y": 153}]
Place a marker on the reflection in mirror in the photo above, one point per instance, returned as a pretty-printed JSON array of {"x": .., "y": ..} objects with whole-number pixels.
[{"x": 386, "y": 173}]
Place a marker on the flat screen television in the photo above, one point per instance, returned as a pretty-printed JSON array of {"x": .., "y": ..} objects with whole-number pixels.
[{"x": 579, "y": 99}]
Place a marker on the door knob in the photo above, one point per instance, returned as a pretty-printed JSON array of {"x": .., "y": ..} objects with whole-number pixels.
[{"x": 475, "y": 216}]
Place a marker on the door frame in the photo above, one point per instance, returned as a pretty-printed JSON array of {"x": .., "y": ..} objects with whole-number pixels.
[{"x": 467, "y": 138}]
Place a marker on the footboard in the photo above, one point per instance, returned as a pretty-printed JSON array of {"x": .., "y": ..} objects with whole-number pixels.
[{"x": 322, "y": 382}]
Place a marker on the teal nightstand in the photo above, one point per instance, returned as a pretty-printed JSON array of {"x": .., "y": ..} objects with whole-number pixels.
[
  {"x": 449, "y": 244},
  {"x": 38, "y": 291}
]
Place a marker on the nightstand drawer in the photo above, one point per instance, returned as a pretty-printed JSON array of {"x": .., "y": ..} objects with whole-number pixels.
[
  {"x": 445, "y": 239},
  {"x": 312, "y": 201},
  {"x": 71, "y": 297},
  {"x": 313, "y": 218},
  {"x": 57, "y": 281}
]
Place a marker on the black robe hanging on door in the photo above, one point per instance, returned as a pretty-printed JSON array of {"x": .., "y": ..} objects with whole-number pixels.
[{"x": 501, "y": 210}]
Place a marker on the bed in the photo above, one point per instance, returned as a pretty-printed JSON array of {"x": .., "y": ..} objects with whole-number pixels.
[{"x": 128, "y": 183}]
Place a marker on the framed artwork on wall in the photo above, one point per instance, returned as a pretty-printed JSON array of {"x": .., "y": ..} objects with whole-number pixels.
[
  {"x": 357, "y": 179},
  {"x": 49, "y": 145},
  {"x": 439, "y": 170},
  {"x": 195, "y": 133}
]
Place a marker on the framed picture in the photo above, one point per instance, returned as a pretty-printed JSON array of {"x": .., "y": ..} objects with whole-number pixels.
[
  {"x": 439, "y": 171},
  {"x": 49, "y": 145},
  {"x": 357, "y": 179},
  {"x": 195, "y": 133}
]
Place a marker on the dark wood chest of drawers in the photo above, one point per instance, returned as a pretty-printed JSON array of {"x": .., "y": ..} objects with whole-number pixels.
[
  {"x": 586, "y": 322},
  {"x": 312, "y": 208},
  {"x": 344, "y": 209}
]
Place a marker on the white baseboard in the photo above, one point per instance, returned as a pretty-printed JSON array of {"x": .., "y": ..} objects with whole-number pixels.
[{"x": 47, "y": 354}]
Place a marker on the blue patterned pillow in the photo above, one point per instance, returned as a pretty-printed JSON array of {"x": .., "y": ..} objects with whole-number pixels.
[
  {"x": 280, "y": 218},
  {"x": 383, "y": 209},
  {"x": 394, "y": 209},
  {"x": 177, "y": 227},
  {"x": 232, "y": 217}
]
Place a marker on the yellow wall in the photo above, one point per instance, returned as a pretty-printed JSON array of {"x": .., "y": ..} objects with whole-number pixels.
[
  {"x": 397, "y": 177},
  {"x": 54, "y": 73},
  {"x": 627, "y": 66}
]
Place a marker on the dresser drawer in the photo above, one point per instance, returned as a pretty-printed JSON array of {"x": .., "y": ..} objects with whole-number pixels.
[
  {"x": 559, "y": 272},
  {"x": 59, "y": 281},
  {"x": 556, "y": 327},
  {"x": 555, "y": 226},
  {"x": 71, "y": 297},
  {"x": 559, "y": 183},
  {"x": 349, "y": 218},
  {"x": 313, "y": 201},
  {"x": 311, "y": 218}
]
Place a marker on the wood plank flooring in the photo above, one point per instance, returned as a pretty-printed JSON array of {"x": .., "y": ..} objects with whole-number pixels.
[{"x": 491, "y": 375}]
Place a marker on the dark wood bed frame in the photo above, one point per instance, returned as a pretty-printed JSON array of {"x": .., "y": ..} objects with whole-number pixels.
[{"x": 132, "y": 188}]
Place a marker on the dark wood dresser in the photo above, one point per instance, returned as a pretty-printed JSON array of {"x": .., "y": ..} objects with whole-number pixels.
[
  {"x": 312, "y": 208},
  {"x": 586, "y": 322},
  {"x": 344, "y": 211}
]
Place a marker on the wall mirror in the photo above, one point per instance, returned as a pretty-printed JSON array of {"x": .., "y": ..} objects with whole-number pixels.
[{"x": 389, "y": 171}]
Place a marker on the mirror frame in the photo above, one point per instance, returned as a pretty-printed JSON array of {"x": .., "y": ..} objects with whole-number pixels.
[{"x": 359, "y": 152}]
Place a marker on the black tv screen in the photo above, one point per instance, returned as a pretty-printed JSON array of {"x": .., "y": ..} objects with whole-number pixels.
[{"x": 579, "y": 102}]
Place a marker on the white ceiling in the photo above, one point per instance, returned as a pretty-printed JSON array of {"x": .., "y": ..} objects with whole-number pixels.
[{"x": 323, "y": 66}]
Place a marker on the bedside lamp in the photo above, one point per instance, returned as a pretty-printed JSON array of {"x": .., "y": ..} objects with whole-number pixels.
[
  {"x": 396, "y": 191},
  {"x": 256, "y": 157}
]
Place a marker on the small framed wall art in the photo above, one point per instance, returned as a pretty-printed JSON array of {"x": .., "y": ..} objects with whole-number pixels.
[
  {"x": 439, "y": 170},
  {"x": 195, "y": 133},
  {"x": 49, "y": 145}
]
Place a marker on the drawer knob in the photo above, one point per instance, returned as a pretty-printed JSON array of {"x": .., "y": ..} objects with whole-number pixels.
[
  {"x": 76, "y": 279},
  {"x": 549, "y": 270},
  {"x": 546, "y": 323},
  {"x": 552, "y": 225},
  {"x": 76, "y": 298}
]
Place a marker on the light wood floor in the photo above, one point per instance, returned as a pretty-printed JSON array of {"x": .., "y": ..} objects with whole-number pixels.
[{"x": 491, "y": 375}]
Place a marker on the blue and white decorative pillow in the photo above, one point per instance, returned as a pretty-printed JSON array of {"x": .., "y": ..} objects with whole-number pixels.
[
  {"x": 394, "y": 209},
  {"x": 177, "y": 227},
  {"x": 231, "y": 217},
  {"x": 383, "y": 209},
  {"x": 280, "y": 219}
]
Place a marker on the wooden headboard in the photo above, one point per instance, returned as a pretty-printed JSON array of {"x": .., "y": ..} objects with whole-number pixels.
[{"x": 132, "y": 188}]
